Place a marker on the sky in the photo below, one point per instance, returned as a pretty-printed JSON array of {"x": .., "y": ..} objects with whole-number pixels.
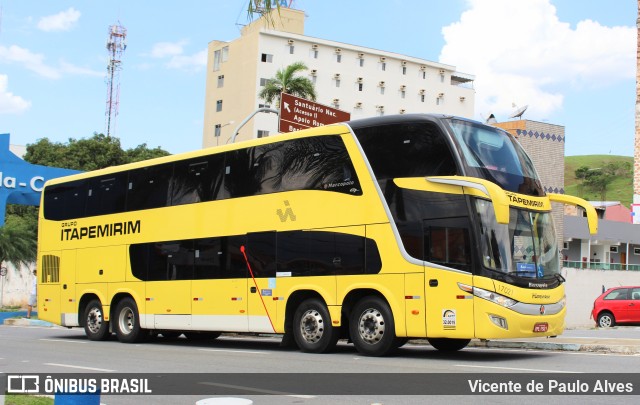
[{"x": 571, "y": 62}]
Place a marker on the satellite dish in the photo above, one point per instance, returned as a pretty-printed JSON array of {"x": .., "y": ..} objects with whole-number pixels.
[{"x": 518, "y": 113}]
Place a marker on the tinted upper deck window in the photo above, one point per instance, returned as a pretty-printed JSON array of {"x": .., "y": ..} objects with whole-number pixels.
[{"x": 406, "y": 150}]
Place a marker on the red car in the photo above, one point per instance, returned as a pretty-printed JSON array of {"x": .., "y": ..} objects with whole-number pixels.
[{"x": 618, "y": 305}]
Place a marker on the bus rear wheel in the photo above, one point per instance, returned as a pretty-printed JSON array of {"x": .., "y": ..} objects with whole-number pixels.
[
  {"x": 95, "y": 327},
  {"x": 127, "y": 320},
  {"x": 312, "y": 329},
  {"x": 448, "y": 345},
  {"x": 372, "y": 328}
]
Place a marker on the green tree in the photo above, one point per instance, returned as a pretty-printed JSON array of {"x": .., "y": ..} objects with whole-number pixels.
[
  {"x": 286, "y": 81},
  {"x": 17, "y": 241}
]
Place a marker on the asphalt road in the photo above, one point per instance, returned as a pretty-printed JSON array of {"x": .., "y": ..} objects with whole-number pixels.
[{"x": 59, "y": 350}]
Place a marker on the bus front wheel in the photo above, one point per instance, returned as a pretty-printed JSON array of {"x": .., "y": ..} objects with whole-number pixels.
[
  {"x": 127, "y": 321},
  {"x": 95, "y": 327},
  {"x": 312, "y": 328},
  {"x": 372, "y": 328}
]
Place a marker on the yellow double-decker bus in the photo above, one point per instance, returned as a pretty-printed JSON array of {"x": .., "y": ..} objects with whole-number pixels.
[{"x": 377, "y": 231}]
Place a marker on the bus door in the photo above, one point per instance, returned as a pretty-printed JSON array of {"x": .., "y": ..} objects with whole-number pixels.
[
  {"x": 68, "y": 299},
  {"x": 219, "y": 286},
  {"x": 168, "y": 291},
  {"x": 261, "y": 287},
  {"x": 447, "y": 245}
]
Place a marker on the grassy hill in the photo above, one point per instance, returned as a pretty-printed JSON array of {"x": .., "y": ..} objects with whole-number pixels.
[{"x": 621, "y": 189}]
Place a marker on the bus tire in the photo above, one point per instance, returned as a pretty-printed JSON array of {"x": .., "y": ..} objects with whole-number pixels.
[
  {"x": 127, "y": 322},
  {"x": 448, "y": 345},
  {"x": 202, "y": 335},
  {"x": 372, "y": 328},
  {"x": 95, "y": 327},
  {"x": 312, "y": 329}
]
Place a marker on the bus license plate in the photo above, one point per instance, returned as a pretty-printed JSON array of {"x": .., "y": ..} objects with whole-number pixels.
[{"x": 541, "y": 327}]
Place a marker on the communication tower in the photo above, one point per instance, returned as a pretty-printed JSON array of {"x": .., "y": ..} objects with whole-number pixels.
[{"x": 116, "y": 45}]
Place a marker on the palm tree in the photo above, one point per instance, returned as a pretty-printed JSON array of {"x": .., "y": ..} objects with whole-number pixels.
[
  {"x": 285, "y": 81},
  {"x": 17, "y": 243}
]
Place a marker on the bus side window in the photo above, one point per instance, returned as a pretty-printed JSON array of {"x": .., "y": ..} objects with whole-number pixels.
[
  {"x": 65, "y": 201},
  {"x": 208, "y": 259},
  {"x": 198, "y": 180},
  {"x": 148, "y": 187},
  {"x": 106, "y": 194}
]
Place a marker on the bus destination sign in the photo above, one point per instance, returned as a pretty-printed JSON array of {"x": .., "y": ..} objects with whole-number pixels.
[{"x": 297, "y": 113}]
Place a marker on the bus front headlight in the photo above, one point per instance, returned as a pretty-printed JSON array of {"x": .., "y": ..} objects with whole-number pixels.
[{"x": 489, "y": 295}]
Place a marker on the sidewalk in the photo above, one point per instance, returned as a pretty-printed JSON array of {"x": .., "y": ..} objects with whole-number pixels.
[
  {"x": 19, "y": 319},
  {"x": 573, "y": 344}
]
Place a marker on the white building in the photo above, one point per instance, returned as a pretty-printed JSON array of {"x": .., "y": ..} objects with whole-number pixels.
[{"x": 362, "y": 81}]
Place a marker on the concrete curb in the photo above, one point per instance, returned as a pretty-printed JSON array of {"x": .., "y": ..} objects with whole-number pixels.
[
  {"x": 26, "y": 322},
  {"x": 559, "y": 346}
]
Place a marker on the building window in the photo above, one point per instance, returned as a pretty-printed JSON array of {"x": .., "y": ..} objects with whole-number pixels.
[
  {"x": 422, "y": 98},
  {"x": 225, "y": 53},
  {"x": 218, "y": 130},
  {"x": 381, "y": 89},
  {"x": 314, "y": 78},
  {"x": 402, "y": 93},
  {"x": 262, "y": 133},
  {"x": 216, "y": 60},
  {"x": 339, "y": 58},
  {"x": 337, "y": 82},
  {"x": 359, "y": 86},
  {"x": 263, "y": 81},
  {"x": 291, "y": 49},
  {"x": 404, "y": 70},
  {"x": 266, "y": 57},
  {"x": 221, "y": 81},
  {"x": 361, "y": 62},
  {"x": 218, "y": 105},
  {"x": 383, "y": 66},
  {"x": 313, "y": 53},
  {"x": 424, "y": 74},
  {"x": 264, "y": 105}
]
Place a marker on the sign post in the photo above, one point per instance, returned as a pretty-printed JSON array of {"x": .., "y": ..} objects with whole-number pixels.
[{"x": 297, "y": 113}]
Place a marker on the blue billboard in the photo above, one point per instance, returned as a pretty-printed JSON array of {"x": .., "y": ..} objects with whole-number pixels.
[{"x": 21, "y": 182}]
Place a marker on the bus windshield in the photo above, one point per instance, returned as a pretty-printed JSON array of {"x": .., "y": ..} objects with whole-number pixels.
[
  {"x": 493, "y": 154},
  {"x": 525, "y": 247}
]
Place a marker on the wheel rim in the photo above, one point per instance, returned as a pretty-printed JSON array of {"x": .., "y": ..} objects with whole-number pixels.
[
  {"x": 605, "y": 321},
  {"x": 311, "y": 326},
  {"x": 126, "y": 320},
  {"x": 371, "y": 326},
  {"x": 94, "y": 320}
]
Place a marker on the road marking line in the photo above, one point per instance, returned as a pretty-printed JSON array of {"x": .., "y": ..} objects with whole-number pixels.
[
  {"x": 263, "y": 391},
  {"x": 65, "y": 341},
  {"x": 80, "y": 367},
  {"x": 231, "y": 351},
  {"x": 519, "y": 369}
]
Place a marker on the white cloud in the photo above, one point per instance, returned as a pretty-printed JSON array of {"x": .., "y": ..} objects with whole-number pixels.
[
  {"x": 174, "y": 52},
  {"x": 35, "y": 63},
  {"x": 165, "y": 49},
  {"x": 31, "y": 61},
  {"x": 10, "y": 103},
  {"x": 189, "y": 62},
  {"x": 80, "y": 71},
  {"x": 63, "y": 21},
  {"x": 521, "y": 53}
]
